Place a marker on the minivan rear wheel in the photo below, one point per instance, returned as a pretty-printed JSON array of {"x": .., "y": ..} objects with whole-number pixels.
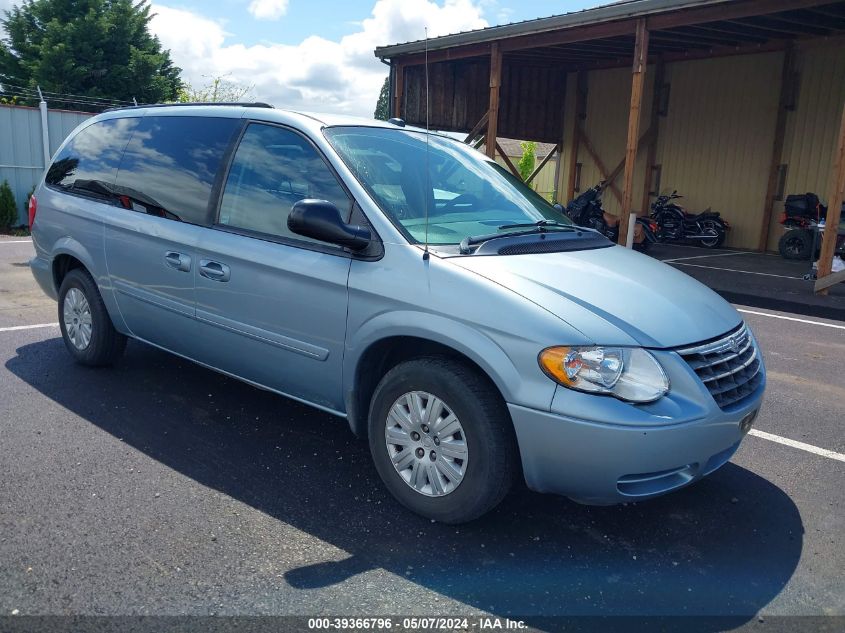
[
  {"x": 441, "y": 439},
  {"x": 86, "y": 327}
]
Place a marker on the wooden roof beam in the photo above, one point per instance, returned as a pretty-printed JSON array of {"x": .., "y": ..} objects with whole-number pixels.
[
  {"x": 829, "y": 11},
  {"x": 747, "y": 34},
  {"x": 787, "y": 25},
  {"x": 808, "y": 19},
  {"x": 685, "y": 38},
  {"x": 582, "y": 34},
  {"x": 735, "y": 11}
]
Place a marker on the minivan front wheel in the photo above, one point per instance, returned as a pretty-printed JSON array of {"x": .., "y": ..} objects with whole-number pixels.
[
  {"x": 86, "y": 327},
  {"x": 441, "y": 439}
]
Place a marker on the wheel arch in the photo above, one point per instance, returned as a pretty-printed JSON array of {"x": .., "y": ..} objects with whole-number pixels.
[
  {"x": 68, "y": 254},
  {"x": 367, "y": 362}
]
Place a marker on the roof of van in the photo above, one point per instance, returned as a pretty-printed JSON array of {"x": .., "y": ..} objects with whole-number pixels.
[{"x": 266, "y": 112}]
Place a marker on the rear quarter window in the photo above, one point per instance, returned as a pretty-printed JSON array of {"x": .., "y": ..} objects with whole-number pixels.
[
  {"x": 170, "y": 166},
  {"x": 88, "y": 164}
]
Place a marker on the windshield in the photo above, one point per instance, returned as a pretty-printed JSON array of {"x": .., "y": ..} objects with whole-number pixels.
[{"x": 467, "y": 194}]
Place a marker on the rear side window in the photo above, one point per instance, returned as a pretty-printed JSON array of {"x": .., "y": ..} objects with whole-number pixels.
[
  {"x": 273, "y": 169},
  {"x": 170, "y": 165},
  {"x": 88, "y": 164}
]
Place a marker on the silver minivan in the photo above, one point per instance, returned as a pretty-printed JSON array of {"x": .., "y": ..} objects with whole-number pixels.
[{"x": 404, "y": 282}]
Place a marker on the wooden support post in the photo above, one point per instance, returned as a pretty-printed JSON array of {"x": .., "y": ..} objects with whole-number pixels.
[
  {"x": 588, "y": 145},
  {"x": 777, "y": 147},
  {"x": 474, "y": 132},
  {"x": 611, "y": 177},
  {"x": 638, "y": 72},
  {"x": 398, "y": 90},
  {"x": 493, "y": 112},
  {"x": 572, "y": 167},
  {"x": 580, "y": 115},
  {"x": 542, "y": 164},
  {"x": 834, "y": 209},
  {"x": 654, "y": 131},
  {"x": 507, "y": 160}
]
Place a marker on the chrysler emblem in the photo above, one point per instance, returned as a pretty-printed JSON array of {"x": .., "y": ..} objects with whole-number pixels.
[{"x": 734, "y": 343}]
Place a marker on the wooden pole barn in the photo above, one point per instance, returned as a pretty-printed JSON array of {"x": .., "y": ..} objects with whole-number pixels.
[{"x": 753, "y": 112}]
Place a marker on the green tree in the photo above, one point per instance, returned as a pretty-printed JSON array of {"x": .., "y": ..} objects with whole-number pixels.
[
  {"x": 218, "y": 90},
  {"x": 93, "y": 48},
  {"x": 526, "y": 163},
  {"x": 383, "y": 104},
  {"x": 8, "y": 208}
]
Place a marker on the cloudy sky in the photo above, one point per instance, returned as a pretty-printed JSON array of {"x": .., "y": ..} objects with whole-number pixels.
[{"x": 317, "y": 54}]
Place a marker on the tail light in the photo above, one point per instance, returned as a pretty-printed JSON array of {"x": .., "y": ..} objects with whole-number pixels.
[
  {"x": 33, "y": 209},
  {"x": 782, "y": 218}
]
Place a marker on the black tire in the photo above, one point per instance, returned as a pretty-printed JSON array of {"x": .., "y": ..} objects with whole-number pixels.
[
  {"x": 106, "y": 344},
  {"x": 492, "y": 460},
  {"x": 718, "y": 232},
  {"x": 796, "y": 244}
]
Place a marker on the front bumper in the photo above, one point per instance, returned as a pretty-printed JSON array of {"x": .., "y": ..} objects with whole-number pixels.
[{"x": 603, "y": 464}]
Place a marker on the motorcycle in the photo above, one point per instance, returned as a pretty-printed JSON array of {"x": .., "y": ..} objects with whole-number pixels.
[
  {"x": 674, "y": 224},
  {"x": 804, "y": 215},
  {"x": 586, "y": 210}
]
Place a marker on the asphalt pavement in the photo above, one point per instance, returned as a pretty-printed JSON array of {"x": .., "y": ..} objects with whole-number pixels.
[{"x": 160, "y": 487}]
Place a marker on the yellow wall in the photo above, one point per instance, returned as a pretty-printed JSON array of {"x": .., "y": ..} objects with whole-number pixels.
[
  {"x": 812, "y": 127},
  {"x": 715, "y": 144},
  {"x": 544, "y": 182}
]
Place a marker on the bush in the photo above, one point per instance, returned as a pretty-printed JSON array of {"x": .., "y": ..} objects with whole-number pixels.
[
  {"x": 8, "y": 207},
  {"x": 526, "y": 163}
]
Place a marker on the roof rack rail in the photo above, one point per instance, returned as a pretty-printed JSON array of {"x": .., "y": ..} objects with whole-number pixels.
[{"x": 253, "y": 104}]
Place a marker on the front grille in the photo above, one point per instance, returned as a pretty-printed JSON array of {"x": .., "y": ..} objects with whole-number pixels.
[{"x": 729, "y": 367}]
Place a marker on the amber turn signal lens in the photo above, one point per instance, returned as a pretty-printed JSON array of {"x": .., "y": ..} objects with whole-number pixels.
[{"x": 553, "y": 363}]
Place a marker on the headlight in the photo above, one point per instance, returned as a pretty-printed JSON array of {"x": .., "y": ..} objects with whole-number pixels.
[{"x": 630, "y": 374}]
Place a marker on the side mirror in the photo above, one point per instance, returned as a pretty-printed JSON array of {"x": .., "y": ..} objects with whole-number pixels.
[{"x": 320, "y": 220}]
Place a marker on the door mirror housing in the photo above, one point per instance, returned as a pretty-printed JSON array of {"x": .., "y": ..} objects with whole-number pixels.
[{"x": 321, "y": 220}]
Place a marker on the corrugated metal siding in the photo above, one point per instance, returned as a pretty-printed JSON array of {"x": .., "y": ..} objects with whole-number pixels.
[
  {"x": 812, "y": 127},
  {"x": 715, "y": 144},
  {"x": 529, "y": 105},
  {"x": 21, "y": 149},
  {"x": 606, "y": 126}
]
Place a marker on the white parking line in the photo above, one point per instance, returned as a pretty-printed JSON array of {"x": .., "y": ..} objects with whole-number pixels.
[
  {"x": 734, "y": 270},
  {"x": 799, "y": 445},
  {"x": 27, "y": 327},
  {"x": 15, "y": 241},
  {"x": 683, "y": 259},
  {"x": 786, "y": 318}
]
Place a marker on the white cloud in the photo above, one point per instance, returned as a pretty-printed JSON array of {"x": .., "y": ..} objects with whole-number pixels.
[
  {"x": 268, "y": 9},
  {"x": 5, "y": 5},
  {"x": 317, "y": 74}
]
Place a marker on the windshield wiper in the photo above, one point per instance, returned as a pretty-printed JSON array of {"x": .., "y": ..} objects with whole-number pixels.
[
  {"x": 536, "y": 227},
  {"x": 539, "y": 224}
]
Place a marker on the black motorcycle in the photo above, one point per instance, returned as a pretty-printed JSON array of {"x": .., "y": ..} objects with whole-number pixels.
[
  {"x": 586, "y": 210},
  {"x": 674, "y": 224},
  {"x": 804, "y": 220}
]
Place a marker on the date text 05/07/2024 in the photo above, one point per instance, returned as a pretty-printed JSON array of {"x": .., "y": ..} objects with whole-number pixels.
[{"x": 415, "y": 623}]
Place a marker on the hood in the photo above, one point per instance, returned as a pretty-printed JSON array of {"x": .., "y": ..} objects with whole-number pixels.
[{"x": 614, "y": 296}]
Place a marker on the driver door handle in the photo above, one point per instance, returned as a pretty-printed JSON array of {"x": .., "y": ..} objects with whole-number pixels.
[
  {"x": 214, "y": 270},
  {"x": 179, "y": 261}
]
